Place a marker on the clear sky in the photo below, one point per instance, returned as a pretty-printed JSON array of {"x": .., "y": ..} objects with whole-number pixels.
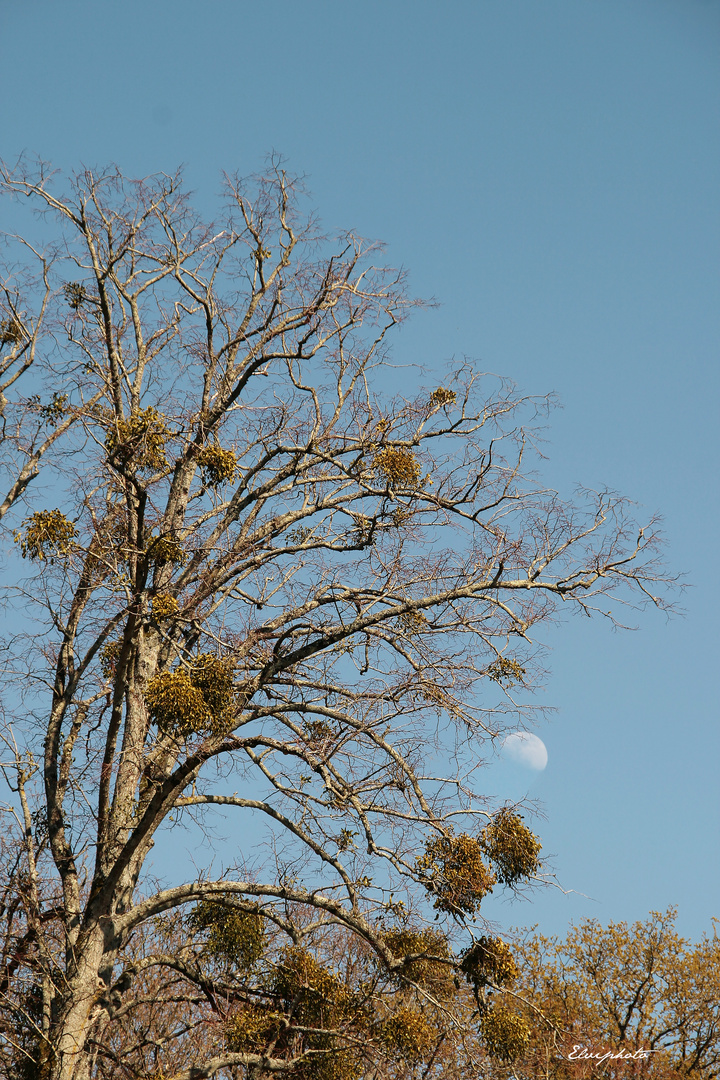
[{"x": 550, "y": 173}]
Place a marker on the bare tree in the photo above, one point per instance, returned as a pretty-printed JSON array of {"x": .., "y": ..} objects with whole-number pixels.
[{"x": 264, "y": 588}]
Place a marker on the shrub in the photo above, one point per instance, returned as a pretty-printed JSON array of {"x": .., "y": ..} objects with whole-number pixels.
[
  {"x": 319, "y": 999},
  {"x": 213, "y": 677},
  {"x": 251, "y": 1029},
  {"x": 412, "y": 622},
  {"x": 319, "y": 735},
  {"x": 109, "y": 656}
]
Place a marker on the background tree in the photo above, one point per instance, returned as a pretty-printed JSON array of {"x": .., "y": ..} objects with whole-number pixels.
[
  {"x": 262, "y": 587},
  {"x": 617, "y": 989}
]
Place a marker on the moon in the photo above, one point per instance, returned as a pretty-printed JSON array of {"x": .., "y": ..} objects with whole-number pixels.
[{"x": 526, "y": 749}]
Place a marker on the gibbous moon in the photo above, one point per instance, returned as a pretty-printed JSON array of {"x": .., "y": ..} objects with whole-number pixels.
[{"x": 526, "y": 749}]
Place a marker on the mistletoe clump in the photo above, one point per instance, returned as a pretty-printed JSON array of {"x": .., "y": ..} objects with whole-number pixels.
[
  {"x": 251, "y": 1029},
  {"x": 319, "y": 735},
  {"x": 505, "y": 672},
  {"x": 213, "y": 677},
  {"x": 408, "y": 1035},
  {"x": 53, "y": 411},
  {"x": 141, "y": 439},
  {"x": 513, "y": 849},
  {"x": 329, "y": 1062},
  {"x": 164, "y": 549},
  {"x": 196, "y": 699},
  {"x": 219, "y": 466},
  {"x": 47, "y": 534},
  {"x": 454, "y": 872},
  {"x": 400, "y": 517},
  {"x": 443, "y": 396},
  {"x": 11, "y": 332},
  {"x": 164, "y": 606},
  {"x": 423, "y": 952},
  {"x": 412, "y": 622},
  {"x": 489, "y": 962},
  {"x": 75, "y": 294},
  {"x": 110, "y": 657},
  {"x": 319, "y": 995},
  {"x": 505, "y": 1035},
  {"x": 398, "y": 466},
  {"x": 176, "y": 705},
  {"x": 236, "y": 937},
  {"x": 319, "y": 999}
]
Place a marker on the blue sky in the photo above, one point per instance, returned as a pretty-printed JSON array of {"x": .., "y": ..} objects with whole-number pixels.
[{"x": 549, "y": 172}]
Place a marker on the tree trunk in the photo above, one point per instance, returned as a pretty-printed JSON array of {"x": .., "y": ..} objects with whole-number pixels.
[{"x": 77, "y": 1015}]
